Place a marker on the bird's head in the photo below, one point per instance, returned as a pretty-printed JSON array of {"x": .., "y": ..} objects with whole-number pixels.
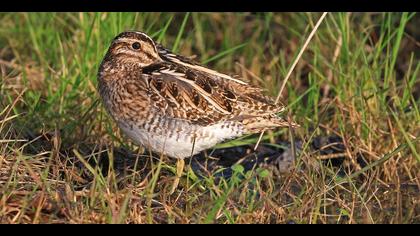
[{"x": 133, "y": 47}]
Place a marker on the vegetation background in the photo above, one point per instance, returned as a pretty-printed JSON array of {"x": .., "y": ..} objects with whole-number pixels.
[{"x": 358, "y": 79}]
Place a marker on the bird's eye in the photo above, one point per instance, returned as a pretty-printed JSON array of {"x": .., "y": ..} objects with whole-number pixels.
[{"x": 136, "y": 45}]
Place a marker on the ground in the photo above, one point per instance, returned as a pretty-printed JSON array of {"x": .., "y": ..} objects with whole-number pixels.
[{"x": 357, "y": 80}]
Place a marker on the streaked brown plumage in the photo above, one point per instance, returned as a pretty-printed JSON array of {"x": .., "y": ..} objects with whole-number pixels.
[{"x": 174, "y": 105}]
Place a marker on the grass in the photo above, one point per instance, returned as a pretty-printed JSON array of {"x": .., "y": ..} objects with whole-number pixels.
[{"x": 358, "y": 78}]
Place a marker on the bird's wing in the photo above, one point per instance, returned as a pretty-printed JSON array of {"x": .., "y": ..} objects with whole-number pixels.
[{"x": 204, "y": 98}]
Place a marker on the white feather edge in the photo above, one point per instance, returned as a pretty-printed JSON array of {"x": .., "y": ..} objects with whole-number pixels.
[
  {"x": 204, "y": 69},
  {"x": 206, "y": 95}
]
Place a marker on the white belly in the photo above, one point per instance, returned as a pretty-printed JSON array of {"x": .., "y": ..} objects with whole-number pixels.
[{"x": 183, "y": 145}]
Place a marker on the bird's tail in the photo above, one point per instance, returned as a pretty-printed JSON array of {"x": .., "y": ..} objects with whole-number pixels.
[{"x": 258, "y": 124}]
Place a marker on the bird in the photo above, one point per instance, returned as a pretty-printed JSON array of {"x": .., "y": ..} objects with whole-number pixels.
[{"x": 174, "y": 105}]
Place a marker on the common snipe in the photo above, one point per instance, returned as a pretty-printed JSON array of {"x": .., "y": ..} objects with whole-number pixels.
[{"x": 172, "y": 104}]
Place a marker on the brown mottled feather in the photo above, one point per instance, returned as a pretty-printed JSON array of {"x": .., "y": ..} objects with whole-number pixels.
[
  {"x": 234, "y": 98},
  {"x": 151, "y": 89}
]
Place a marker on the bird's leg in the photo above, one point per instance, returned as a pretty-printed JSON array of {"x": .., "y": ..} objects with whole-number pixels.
[{"x": 179, "y": 168}]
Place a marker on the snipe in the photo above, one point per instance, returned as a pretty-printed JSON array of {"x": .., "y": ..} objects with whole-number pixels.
[{"x": 175, "y": 106}]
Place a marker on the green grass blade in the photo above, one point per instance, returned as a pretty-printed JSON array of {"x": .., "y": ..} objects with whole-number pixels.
[{"x": 180, "y": 32}]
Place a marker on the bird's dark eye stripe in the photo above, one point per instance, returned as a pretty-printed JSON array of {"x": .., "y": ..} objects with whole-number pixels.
[{"x": 135, "y": 45}]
